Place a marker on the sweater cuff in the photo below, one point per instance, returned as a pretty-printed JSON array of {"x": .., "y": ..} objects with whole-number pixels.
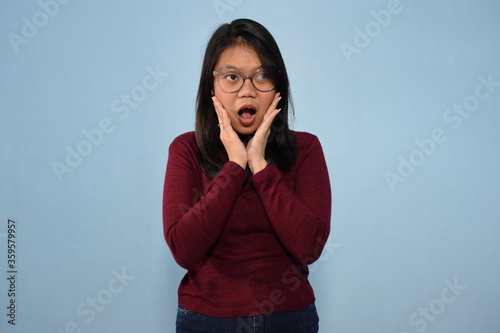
[
  {"x": 266, "y": 175},
  {"x": 235, "y": 170}
]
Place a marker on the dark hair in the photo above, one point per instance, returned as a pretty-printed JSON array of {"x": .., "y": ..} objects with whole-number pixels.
[{"x": 281, "y": 146}]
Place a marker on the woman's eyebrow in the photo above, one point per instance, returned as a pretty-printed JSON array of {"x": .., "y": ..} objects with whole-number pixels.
[{"x": 236, "y": 68}]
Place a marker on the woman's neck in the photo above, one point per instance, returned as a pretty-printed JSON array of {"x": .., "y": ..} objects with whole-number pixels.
[{"x": 245, "y": 137}]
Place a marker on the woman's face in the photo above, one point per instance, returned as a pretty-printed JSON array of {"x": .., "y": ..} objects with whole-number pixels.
[{"x": 247, "y": 106}]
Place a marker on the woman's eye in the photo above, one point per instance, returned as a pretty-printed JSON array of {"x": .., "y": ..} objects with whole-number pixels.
[
  {"x": 231, "y": 77},
  {"x": 263, "y": 76}
]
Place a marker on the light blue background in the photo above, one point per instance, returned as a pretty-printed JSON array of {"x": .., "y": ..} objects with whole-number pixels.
[{"x": 393, "y": 252}]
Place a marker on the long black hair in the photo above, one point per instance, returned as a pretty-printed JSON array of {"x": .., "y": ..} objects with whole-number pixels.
[{"x": 281, "y": 146}]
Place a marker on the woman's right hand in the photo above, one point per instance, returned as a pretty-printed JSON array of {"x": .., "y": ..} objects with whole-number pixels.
[{"x": 234, "y": 147}]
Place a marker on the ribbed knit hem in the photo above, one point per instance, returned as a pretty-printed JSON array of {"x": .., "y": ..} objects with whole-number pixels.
[{"x": 264, "y": 307}]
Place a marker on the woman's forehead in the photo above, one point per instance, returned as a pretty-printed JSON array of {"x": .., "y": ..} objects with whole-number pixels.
[{"x": 239, "y": 57}]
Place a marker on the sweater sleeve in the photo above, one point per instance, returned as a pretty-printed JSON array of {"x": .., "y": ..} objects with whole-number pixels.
[
  {"x": 193, "y": 218},
  {"x": 301, "y": 216}
]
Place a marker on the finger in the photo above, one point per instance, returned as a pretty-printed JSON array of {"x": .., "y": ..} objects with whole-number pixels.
[
  {"x": 222, "y": 114},
  {"x": 218, "y": 107},
  {"x": 274, "y": 103},
  {"x": 272, "y": 111}
]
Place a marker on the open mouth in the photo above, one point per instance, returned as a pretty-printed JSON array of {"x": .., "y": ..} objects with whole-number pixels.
[{"x": 247, "y": 112}]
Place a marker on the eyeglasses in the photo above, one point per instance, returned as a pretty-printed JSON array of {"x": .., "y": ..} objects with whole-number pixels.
[{"x": 233, "y": 81}]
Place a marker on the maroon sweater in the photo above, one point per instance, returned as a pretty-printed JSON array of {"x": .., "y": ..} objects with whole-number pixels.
[{"x": 246, "y": 240}]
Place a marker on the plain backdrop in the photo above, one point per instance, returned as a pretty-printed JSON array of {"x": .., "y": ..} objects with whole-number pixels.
[{"x": 403, "y": 95}]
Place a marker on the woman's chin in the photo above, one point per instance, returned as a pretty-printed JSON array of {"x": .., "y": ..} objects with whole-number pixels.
[{"x": 245, "y": 130}]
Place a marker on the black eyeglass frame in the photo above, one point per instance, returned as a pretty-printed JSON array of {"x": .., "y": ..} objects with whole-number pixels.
[{"x": 245, "y": 77}]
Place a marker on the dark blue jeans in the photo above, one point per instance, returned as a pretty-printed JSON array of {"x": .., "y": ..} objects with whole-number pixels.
[{"x": 302, "y": 321}]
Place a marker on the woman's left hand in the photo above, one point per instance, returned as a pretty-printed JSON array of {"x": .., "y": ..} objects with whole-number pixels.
[{"x": 256, "y": 147}]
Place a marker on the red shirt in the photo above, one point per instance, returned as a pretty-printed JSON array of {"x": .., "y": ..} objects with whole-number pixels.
[{"x": 246, "y": 240}]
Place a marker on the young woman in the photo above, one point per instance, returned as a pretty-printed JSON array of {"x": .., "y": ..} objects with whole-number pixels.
[{"x": 247, "y": 201}]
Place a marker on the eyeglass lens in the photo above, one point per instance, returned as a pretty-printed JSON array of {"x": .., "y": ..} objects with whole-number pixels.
[{"x": 233, "y": 81}]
